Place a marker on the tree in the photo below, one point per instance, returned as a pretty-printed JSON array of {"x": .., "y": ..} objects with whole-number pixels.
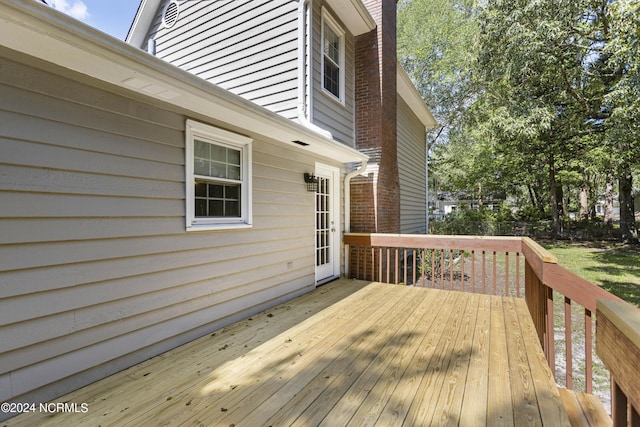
[
  {"x": 545, "y": 105},
  {"x": 436, "y": 40},
  {"x": 550, "y": 81},
  {"x": 532, "y": 61},
  {"x": 436, "y": 45},
  {"x": 622, "y": 55}
]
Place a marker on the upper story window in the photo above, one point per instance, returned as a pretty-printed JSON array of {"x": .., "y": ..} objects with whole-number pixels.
[
  {"x": 218, "y": 178},
  {"x": 332, "y": 57}
]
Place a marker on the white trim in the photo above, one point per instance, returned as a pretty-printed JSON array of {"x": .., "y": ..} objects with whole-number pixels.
[
  {"x": 305, "y": 61},
  {"x": 333, "y": 24},
  {"x": 354, "y": 14},
  {"x": 304, "y": 58},
  {"x": 335, "y": 209},
  {"x": 142, "y": 22},
  {"x": 409, "y": 93},
  {"x": 221, "y": 137},
  {"x": 42, "y": 32}
]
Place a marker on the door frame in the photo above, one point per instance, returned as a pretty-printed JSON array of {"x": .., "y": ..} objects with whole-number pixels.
[{"x": 331, "y": 271}]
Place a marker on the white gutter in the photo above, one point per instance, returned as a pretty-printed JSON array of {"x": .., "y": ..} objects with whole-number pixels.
[
  {"x": 39, "y": 31},
  {"x": 304, "y": 53},
  {"x": 426, "y": 182},
  {"x": 347, "y": 207},
  {"x": 347, "y": 193}
]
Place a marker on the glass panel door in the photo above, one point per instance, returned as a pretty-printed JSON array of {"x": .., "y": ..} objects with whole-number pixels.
[{"x": 327, "y": 236}]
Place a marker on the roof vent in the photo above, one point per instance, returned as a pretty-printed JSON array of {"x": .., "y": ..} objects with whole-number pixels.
[{"x": 170, "y": 15}]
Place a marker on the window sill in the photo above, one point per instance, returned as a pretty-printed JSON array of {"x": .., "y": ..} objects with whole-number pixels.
[
  {"x": 334, "y": 98},
  {"x": 214, "y": 227}
]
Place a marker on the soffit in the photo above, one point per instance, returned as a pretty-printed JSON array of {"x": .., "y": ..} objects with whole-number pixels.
[
  {"x": 39, "y": 31},
  {"x": 354, "y": 14}
]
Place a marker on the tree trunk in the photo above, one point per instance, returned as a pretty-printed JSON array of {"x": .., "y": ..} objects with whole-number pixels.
[
  {"x": 538, "y": 200},
  {"x": 608, "y": 200},
  {"x": 627, "y": 215},
  {"x": 584, "y": 202},
  {"x": 556, "y": 202},
  {"x": 565, "y": 196},
  {"x": 532, "y": 196}
]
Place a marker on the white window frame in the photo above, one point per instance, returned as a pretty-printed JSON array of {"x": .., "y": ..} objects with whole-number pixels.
[
  {"x": 333, "y": 24},
  {"x": 212, "y": 135}
]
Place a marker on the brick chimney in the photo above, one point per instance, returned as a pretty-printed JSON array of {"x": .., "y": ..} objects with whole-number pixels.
[{"x": 375, "y": 199}]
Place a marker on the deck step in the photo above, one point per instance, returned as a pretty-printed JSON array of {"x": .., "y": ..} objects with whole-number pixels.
[{"x": 584, "y": 409}]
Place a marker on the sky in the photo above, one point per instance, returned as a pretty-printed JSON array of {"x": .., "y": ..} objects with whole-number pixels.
[{"x": 113, "y": 17}]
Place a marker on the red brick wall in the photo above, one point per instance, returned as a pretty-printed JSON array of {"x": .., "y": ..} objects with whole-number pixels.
[{"x": 375, "y": 200}]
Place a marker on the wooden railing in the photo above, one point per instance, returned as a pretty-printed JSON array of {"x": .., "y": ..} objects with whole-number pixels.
[
  {"x": 561, "y": 303},
  {"x": 618, "y": 344}
]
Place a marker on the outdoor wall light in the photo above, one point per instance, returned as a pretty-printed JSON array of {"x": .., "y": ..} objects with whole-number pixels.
[{"x": 311, "y": 181}]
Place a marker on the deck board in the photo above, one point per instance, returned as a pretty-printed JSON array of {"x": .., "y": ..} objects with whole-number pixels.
[
  {"x": 499, "y": 413},
  {"x": 349, "y": 353},
  {"x": 476, "y": 394}
]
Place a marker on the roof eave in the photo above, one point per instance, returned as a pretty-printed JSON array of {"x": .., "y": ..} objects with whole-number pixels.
[
  {"x": 142, "y": 22},
  {"x": 354, "y": 14},
  {"x": 412, "y": 97},
  {"x": 39, "y": 31}
]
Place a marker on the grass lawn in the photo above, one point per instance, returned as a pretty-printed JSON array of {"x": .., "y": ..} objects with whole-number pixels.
[{"x": 613, "y": 266}]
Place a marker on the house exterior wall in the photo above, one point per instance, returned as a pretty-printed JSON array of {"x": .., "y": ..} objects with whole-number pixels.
[
  {"x": 96, "y": 269},
  {"x": 328, "y": 113},
  {"x": 248, "y": 48},
  {"x": 411, "y": 170},
  {"x": 376, "y": 127},
  {"x": 252, "y": 50}
]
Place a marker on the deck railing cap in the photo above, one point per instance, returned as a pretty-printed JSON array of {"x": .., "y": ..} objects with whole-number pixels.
[{"x": 624, "y": 316}]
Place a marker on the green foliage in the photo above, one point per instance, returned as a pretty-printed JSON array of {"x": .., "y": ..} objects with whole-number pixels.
[
  {"x": 529, "y": 214},
  {"x": 435, "y": 262},
  {"x": 541, "y": 98},
  {"x": 475, "y": 222},
  {"x": 622, "y": 55},
  {"x": 436, "y": 40}
]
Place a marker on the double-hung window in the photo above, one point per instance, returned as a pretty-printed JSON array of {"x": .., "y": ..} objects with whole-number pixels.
[
  {"x": 218, "y": 178},
  {"x": 332, "y": 57}
]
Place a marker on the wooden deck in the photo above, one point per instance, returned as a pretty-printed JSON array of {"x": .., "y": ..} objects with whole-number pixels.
[{"x": 349, "y": 353}]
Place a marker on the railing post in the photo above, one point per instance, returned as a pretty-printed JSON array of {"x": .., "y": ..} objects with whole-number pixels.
[
  {"x": 618, "y": 345},
  {"x": 618, "y": 405},
  {"x": 539, "y": 299},
  {"x": 536, "y": 296}
]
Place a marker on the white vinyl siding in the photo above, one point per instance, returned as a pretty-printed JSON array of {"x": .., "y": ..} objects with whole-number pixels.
[
  {"x": 249, "y": 47},
  {"x": 328, "y": 112},
  {"x": 96, "y": 269},
  {"x": 411, "y": 170}
]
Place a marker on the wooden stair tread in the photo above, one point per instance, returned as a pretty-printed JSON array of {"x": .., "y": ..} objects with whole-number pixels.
[{"x": 584, "y": 409}]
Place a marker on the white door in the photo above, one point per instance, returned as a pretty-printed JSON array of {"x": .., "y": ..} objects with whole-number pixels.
[{"x": 327, "y": 223}]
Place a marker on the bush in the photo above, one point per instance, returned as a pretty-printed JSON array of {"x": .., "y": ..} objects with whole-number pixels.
[{"x": 479, "y": 222}]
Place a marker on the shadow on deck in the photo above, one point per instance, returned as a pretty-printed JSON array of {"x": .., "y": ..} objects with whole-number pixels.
[{"x": 349, "y": 353}]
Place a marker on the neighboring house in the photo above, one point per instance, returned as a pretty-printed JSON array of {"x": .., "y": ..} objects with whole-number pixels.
[
  {"x": 447, "y": 202},
  {"x": 143, "y": 207}
]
